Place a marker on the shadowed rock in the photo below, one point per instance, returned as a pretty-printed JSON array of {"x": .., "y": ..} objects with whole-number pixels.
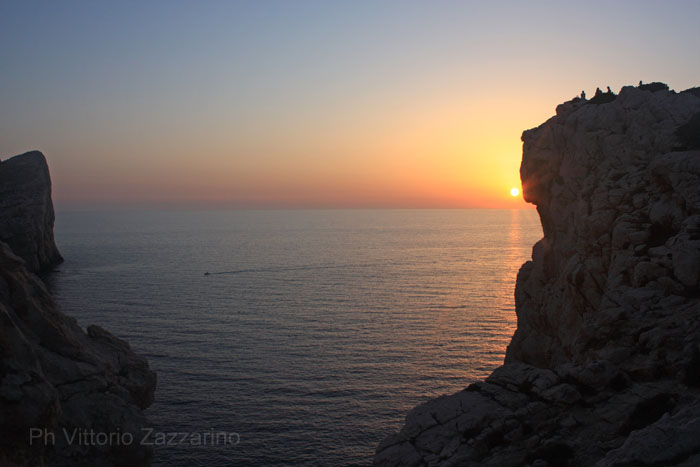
[
  {"x": 653, "y": 87},
  {"x": 689, "y": 133},
  {"x": 601, "y": 97},
  {"x": 603, "y": 367},
  {"x": 53, "y": 375},
  {"x": 694, "y": 91},
  {"x": 26, "y": 210}
]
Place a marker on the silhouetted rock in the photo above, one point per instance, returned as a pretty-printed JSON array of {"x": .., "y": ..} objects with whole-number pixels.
[
  {"x": 604, "y": 367},
  {"x": 54, "y": 376},
  {"x": 601, "y": 97},
  {"x": 694, "y": 91},
  {"x": 26, "y": 210},
  {"x": 653, "y": 87}
]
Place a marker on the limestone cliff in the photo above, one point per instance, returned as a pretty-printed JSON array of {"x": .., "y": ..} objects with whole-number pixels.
[
  {"x": 54, "y": 376},
  {"x": 26, "y": 210},
  {"x": 604, "y": 367}
]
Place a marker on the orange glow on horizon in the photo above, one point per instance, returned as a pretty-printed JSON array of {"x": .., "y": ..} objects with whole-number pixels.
[
  {"x": 439, "y": 152},
  {"x": 260, "y": 105}
]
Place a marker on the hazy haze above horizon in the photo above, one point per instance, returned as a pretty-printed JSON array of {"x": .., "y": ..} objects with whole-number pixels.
[{"x": 313, "y": 104}]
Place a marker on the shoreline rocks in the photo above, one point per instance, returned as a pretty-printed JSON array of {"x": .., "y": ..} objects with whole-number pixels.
[
  {"x": 604, "y": 366},
  {"x": 54, "y": 377}
]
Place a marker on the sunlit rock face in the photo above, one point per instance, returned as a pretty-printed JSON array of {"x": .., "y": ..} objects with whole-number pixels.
[
  {"x": 54, "y": 377},
  {"x": 604, "y": 367}
]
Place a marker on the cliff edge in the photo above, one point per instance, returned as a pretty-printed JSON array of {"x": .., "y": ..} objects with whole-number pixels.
[
  {"x": 56, "y": 381},
  {"x": 604, "y": 367},
  {"x": 26, "y": 210}
]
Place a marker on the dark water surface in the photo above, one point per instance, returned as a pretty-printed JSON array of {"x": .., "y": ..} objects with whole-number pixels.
[{"x": 315, "y": 331}]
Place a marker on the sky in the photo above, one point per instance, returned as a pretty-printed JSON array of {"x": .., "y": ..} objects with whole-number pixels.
[{"x": 305, "y": 104}]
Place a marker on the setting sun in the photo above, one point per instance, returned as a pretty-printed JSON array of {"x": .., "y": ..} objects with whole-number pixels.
[{"x": 514, "y": 191}]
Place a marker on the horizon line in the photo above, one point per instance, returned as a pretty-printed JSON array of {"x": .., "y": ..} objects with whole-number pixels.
[{"x": 154, "y": 207}]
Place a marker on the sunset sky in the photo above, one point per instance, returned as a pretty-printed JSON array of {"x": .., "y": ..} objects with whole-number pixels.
[{"x": 313, "y": 104}]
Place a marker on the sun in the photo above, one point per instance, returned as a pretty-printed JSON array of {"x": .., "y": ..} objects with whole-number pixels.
[{"x": 514, "y": 191}]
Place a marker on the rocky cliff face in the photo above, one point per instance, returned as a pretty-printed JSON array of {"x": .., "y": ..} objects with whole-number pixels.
[
  {"x": 26, "y": 210},
  {"x": 53, "y": 376},
  {"x": 604, "y": 367}
]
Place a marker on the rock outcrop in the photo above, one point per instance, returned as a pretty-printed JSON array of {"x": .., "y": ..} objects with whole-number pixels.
[
  {"x": 55, "y": 378},
  {"x": 604, "y": 367},
  {"x": 26, "y": 210}
]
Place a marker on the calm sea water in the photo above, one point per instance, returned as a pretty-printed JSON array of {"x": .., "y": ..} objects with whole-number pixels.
[{"x": 315, "y": 331}]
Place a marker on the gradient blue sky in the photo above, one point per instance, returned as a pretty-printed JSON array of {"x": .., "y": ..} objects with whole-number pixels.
[{"x": 313, "y": 104}]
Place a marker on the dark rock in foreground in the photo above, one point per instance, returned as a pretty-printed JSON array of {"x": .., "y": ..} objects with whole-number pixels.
[
  {"x": 53, "y": 376},
  {"x": 604, "y": 367}
]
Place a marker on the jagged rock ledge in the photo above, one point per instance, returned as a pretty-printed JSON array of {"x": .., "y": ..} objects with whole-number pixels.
[
  {"x": 604, "y": 367},
  {"x": 54, "y": 376}
]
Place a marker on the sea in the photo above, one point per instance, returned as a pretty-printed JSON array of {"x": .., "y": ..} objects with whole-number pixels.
[{"x": 305, "y": 335}]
